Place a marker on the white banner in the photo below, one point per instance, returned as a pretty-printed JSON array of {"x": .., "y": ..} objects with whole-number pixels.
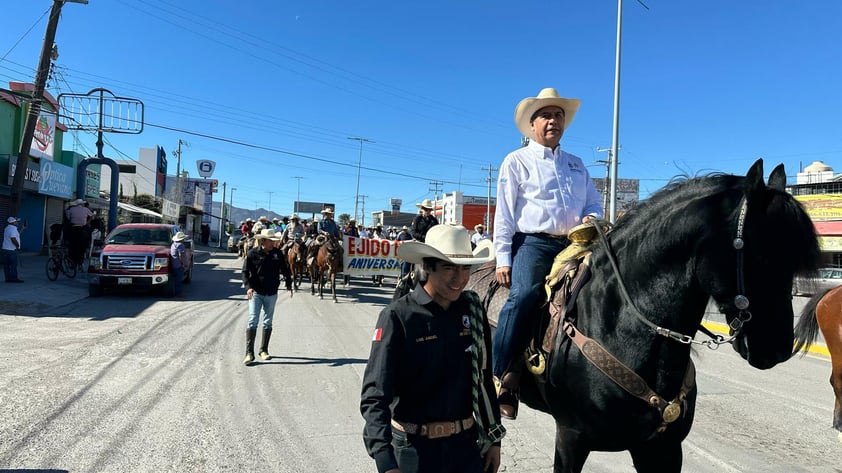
[{"x": 369, "y": 257}]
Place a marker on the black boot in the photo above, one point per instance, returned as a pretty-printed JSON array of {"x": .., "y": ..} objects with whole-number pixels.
[
  {"x": 508, "y": 394},
  {"x": 264, "y": 344},
  {"x": 251, "y": 333}
]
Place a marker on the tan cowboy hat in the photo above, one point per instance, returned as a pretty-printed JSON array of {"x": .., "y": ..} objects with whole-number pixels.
[
  {"x": 267, "y": 233},
  {"x": 294, "y": 217},
  {"x": 478, "y": 226},
  {"x": 180, "y": 236},
  {"x": 425, "y": 204},
  {"x": 327, "y": 210},
  {"x": 450, "y": 243},
  {"x": 263, "y": 217},
  {"x": 546, "y": 98}
]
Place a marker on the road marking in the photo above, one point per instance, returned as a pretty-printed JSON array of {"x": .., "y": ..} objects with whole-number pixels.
[{"x": 817, "y": 348}]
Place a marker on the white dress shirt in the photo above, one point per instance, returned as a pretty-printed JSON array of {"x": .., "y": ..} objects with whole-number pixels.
[{"x": 541, "y": 191}]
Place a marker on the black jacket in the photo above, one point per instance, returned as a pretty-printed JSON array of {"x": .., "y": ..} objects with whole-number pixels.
[
  {"x": 419, "y": 370},
  {"x": 262, "y": 271}
]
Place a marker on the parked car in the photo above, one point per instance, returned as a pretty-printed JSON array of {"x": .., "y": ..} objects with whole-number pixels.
[
  {"x": 828, "y": 278},
  {"x": 233, "y": 239},
  {"x": 137, "y": 255}
]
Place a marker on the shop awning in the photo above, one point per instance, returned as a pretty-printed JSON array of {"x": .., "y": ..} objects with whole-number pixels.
[{"x": 138, "y": 210}]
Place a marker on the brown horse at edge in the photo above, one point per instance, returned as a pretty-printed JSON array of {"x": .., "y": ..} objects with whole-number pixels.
[{"x": 824, "y": 313}]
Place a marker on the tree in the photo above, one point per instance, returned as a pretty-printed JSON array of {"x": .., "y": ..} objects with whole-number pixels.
[{"x": 343, "y": 219}]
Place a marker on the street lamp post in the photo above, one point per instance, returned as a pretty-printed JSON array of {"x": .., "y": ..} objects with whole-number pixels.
[
  {"x": 231, "y": 204},
  {"x": 359, "y": 167},
  {"x": 298, "y": 197}
]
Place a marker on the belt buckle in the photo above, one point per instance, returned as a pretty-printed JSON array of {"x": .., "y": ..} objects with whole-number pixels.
[{"x": 437, "y": 430}]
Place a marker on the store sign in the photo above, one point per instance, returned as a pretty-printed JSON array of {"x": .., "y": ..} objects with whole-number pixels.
[
  {"x": 92, "y": 179},
  {"x": 206, "y": 167},
  {"x": 56, "y": 179},
  {"x": 44, "y": 137},
  {"x": 169, "y": 209},
  {"x": 32, "y": 177}
]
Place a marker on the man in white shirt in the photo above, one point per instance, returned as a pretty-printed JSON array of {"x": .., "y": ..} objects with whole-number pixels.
[
  {"x": 542, "y": 193},
  {"x": 11, "y": 245},
  {"x": 479, "y": 234}
]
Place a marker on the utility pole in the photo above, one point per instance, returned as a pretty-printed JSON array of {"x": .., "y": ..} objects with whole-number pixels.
[
  {"x": 35, "y": 106},
  {"x": 359, "y": 167},
  {"x": 270, "y": 200},
  {"x": 489, "y": 180},
  {"x": 437, "y": 185},
  {"x": 608, "y": 184},
  {"x": 223, "y": 220},
  {"x": 298, "y": 197},
  {"x": 179, "y": 196},
  {"x": 362, "y": 217}
]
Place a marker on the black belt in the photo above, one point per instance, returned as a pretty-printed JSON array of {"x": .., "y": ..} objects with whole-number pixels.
[{"x": 548, "y": 235}]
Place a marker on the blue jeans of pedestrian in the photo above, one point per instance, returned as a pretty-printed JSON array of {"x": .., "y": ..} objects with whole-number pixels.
[
  {"x": 455, "y": 454},
  {"x": 257, "y": 302},
  {"x": 532, "y": 259},
  {"x": 10, "y": 264},
  {"x": 178, "y": 275}
]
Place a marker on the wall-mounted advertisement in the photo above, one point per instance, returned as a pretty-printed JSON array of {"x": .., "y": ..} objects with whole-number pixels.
[{"x": 44, "y": 137}]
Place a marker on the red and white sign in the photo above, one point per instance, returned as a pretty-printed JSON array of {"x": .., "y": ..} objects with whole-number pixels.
[{"x": 370, "y": 257}]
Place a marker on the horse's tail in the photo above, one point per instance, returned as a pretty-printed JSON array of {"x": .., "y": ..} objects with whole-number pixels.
[{"x": 807, "y": 328}]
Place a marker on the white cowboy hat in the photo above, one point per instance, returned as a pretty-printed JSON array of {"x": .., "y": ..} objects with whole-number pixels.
[
  {"x": 425, "y": 204},
  {"x": 180, "y": 236},
  {"x": 263, "y": 217},
  {"x": 546, "y": 98},
  {"x": 450, "y": 243},
  {"x": 76, "y": 202},
  {"x": 267, "y": 233},
  {"x": 327, "y": 210},
  {"x": 294, "y": 217}
]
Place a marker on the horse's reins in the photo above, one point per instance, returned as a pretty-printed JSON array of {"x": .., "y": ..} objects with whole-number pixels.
[{"x": 741, "y": 302}]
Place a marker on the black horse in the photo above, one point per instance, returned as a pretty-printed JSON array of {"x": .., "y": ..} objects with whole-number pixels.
[{"x": 732, "y": 239}]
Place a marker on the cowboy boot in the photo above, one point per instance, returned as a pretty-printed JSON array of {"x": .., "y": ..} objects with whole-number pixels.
[
  {"x": 264, "y": 344},
  {"x": 251, "y": 333},
  {"x": 508, "y": 394}
]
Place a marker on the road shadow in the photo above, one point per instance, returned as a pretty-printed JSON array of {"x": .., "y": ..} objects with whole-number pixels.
[
  {"x": 32, "y": 470},
  {"x": 306, "y": 360}
]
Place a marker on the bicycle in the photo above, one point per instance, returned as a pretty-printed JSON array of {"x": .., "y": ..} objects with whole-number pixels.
[{"x": 59, "y": 261}]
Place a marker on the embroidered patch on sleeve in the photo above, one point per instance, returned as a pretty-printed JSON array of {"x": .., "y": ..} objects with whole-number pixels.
[{"x": 378, "y": 334}]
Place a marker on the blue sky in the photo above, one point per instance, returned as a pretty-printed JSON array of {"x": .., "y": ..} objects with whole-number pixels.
[{"x": 706, "y": 86}]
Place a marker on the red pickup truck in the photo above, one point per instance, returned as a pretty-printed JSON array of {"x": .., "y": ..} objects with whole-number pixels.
[{"x": 137, "y": 255}]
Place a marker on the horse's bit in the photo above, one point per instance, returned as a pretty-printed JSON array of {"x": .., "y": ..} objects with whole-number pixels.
[{"x": 741, "y": 301}]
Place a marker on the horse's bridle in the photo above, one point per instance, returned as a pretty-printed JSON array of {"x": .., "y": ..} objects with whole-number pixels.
[{"x": 741, "y": 301}]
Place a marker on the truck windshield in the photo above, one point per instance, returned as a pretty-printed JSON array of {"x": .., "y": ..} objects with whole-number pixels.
[{"x": 139, "y": 236}]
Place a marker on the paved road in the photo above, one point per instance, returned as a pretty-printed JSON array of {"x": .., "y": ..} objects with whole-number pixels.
[{"x": 132, "y": 382}]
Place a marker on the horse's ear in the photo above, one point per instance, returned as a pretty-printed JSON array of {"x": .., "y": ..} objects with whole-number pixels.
[
  {"x": 777, "y": 180},
  {"x": 754, "y": 178}
]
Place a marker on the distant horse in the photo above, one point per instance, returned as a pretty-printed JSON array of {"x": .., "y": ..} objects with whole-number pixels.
[
  {"x": 330, "y": 263},
  {"x": 313, "y": 267},
  {"x": 730, "y": 238},
  {"x": 297, "y": 259},
  {"x": 824, "y": 312}
]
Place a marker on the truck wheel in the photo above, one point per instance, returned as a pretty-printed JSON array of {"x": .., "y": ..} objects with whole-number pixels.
[{"x": 95, "y": 290}]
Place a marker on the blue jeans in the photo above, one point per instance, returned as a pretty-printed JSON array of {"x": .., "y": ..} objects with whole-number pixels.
[
  {"x": 532, "y": 259},
  {"x": 177, "y": 275},
  {"x": 10, "y": 264},
  {"x": 267, "y": 303}
]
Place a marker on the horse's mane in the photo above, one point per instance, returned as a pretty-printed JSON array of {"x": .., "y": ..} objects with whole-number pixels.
[{"x": 695, "y": 207}]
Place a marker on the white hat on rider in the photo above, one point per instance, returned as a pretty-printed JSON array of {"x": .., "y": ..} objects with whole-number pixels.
[{"x": 450, "y": 243}]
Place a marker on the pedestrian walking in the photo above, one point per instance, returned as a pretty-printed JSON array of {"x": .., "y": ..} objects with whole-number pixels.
[
  {"x": 178, "y": 261},
  {"x": 11, "y": 246},
  {"x": 262, "y": 271}
]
